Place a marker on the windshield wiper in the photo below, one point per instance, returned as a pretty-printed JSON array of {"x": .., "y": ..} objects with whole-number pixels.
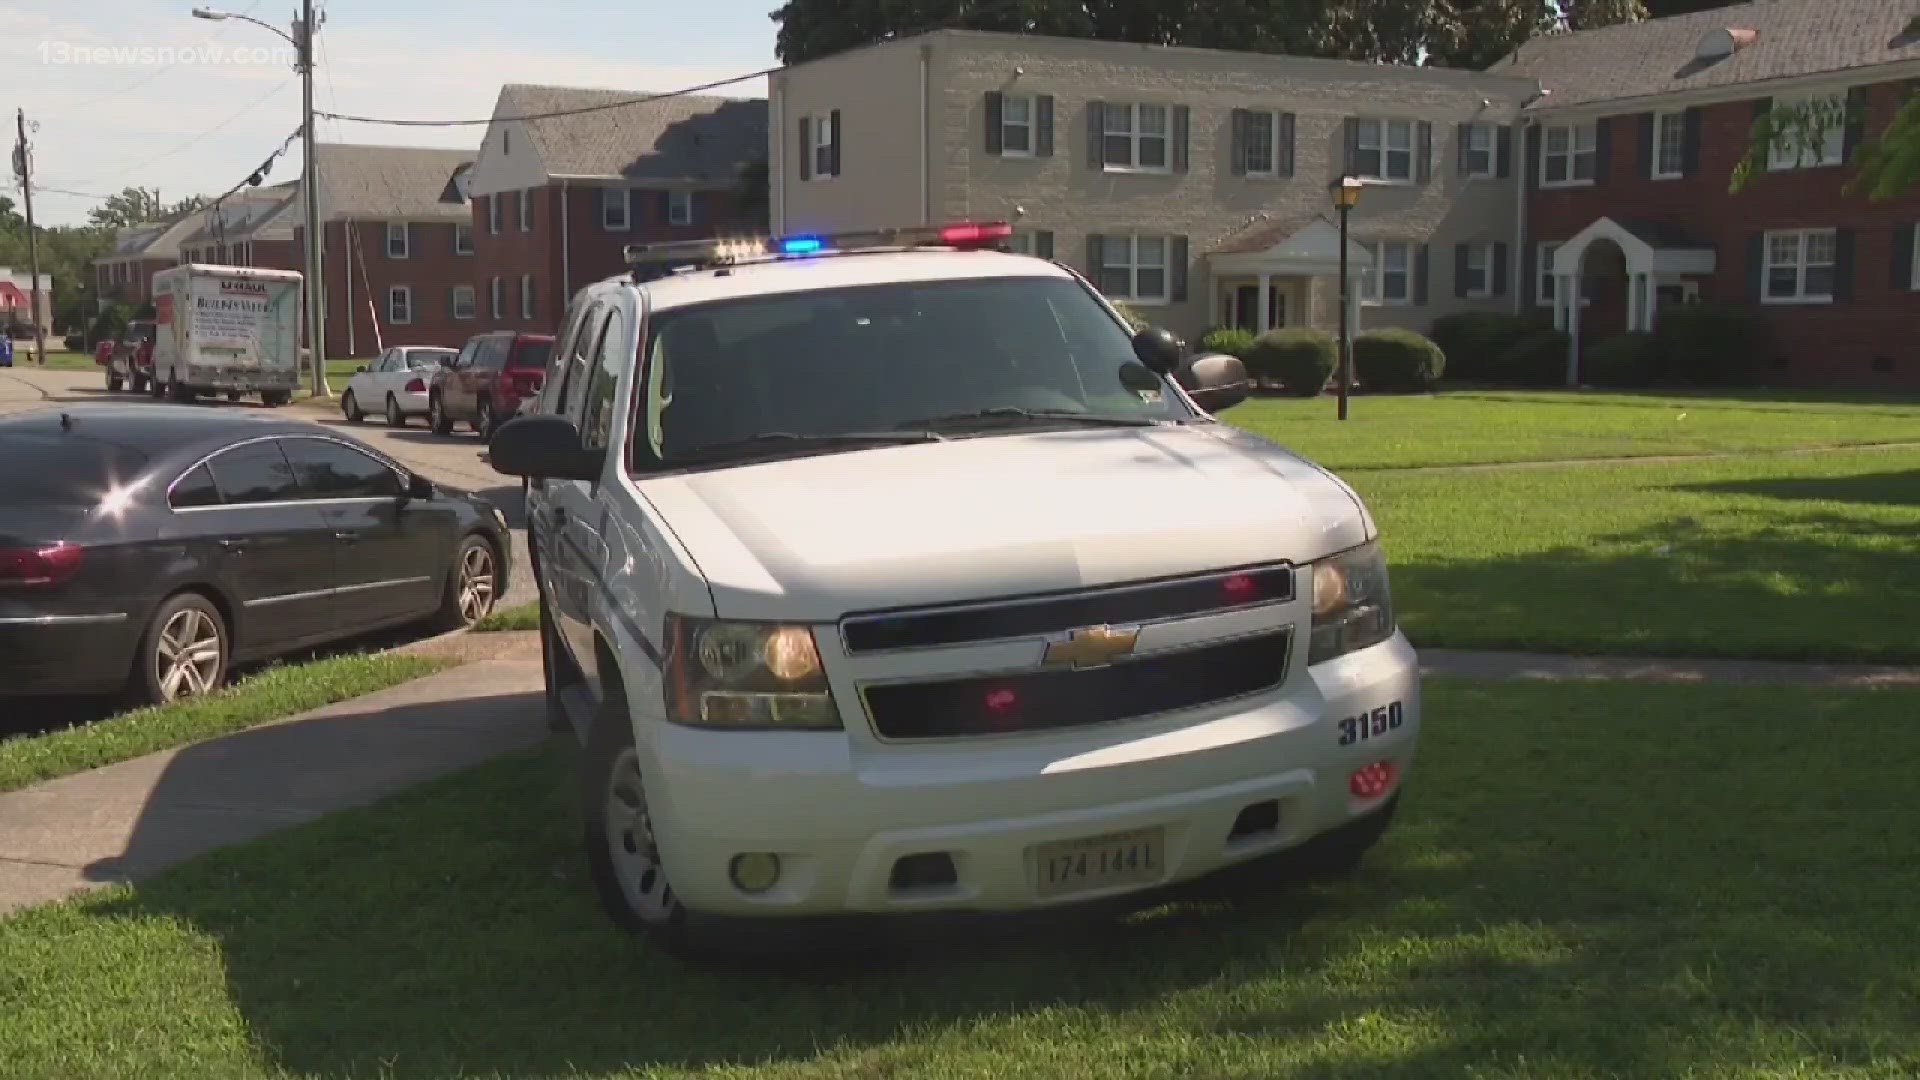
[
  {"x": 794, "y": 441},
  {"x": 1014, "y": 413}
]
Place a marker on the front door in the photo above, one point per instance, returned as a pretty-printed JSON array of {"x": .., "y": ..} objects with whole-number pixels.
[
  {"x": 575, "y": 560},
  {"x": 1243, "y": 307},
  {"x": 274, "y": 550},
  {"x": 390, "y": 553}
]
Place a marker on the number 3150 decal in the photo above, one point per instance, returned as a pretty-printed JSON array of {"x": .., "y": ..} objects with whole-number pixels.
[{"x": 1371, "y": 725}]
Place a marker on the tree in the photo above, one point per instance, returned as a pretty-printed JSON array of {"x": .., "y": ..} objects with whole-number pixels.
[
  {"x": 131, "y": 206},
  {"x": 1590, "y": 14},
  {"x": 1483, "y": 31},
  {"x": 1889, "y": 164}
]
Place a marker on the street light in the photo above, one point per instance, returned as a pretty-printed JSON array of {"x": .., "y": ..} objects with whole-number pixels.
[
  {"x": 1345, "y": 192},
  {"x": 302, "y": 41}
]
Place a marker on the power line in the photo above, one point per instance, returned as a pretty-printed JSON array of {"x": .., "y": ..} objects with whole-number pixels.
[{"x": 195, "y": 140}]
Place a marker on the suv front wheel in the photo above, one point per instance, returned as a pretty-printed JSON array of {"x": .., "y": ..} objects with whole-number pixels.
[
  {"x": 437, "y": 417},
  {"x": 628, "y": 873}
]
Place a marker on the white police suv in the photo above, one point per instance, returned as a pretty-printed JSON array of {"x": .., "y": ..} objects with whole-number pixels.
[{"x": 890, "y": 573}]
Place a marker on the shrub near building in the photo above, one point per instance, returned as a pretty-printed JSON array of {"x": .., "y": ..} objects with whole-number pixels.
[
  {"x": 1397, "y": 359},
  {"x": 1301, "y": 360}
]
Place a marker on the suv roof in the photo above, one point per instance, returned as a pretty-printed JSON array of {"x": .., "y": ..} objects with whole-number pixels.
[{"x": 801, "y": 273}]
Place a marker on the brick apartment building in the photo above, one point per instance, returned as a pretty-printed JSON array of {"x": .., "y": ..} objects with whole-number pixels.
[
  {"x": 251, "y": 227},
  {"x": 555, "y": 200},
  {"x": 125, "y": 273},
  {"x": 1631, "y": 151}
]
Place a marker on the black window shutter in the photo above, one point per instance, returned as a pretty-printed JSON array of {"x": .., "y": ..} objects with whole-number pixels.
[
  {"x": 1499, "y": 268},
  {"x": 663, "y": 207},
  {"x": 1286, "y": 144},
  {"x": 806, "y": 148},
  {"x": 1043, "y": 244},
  {"x": 1463, "y": 140},
  {"x": 1690, "y": 143},
  {"x": 1762, "y": 107},
  {"x": 1096, "y": 134},
  {"x": 413, "y": 238},
  {"x": 1238, "y": 154},
  {"x": 450, "y": 307},
  {"x": 1419, "y": 273},
  {"x": 994, "y": 109},
  {"x": 1423, "y": 151},
  {"x": 1352, "y": 145},
  {"x": 1503, "y": 149},
  {"x": 833, "y": 153},
  {"x": 1903, "y": 277},
  {"x": 1756, "y": 266},
  {"x": 1602, "y": 149},
  {"x": 1096, "y": 256},
  {"x": 1843, "y": 264},
  {"x": 1179, "y": 153},
  {"x": 1043, "y": 126},
  {"x": 1528, "y": 284},
  {"x": 1648, "y": 166},
  {"x": 1856, "y": 122},
  {"x": 1533, "y": 158},
  {"x": 1177, "y": 269},
  {"x": 1460, "y": 270}
]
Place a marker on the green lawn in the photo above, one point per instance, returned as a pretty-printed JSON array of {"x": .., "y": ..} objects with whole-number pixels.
[
  {"x": 1476, "y": 427},
  {"x": 58, "y": 359},
  {"x": 1786, "y": 557},
  {"x": 1587, "y": 880},
  {"x": 274, "y": 693},
  {"x": 522, "y": 617}
]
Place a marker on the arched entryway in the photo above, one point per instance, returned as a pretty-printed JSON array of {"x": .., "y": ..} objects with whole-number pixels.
[{"x": 1609, "y": 278}]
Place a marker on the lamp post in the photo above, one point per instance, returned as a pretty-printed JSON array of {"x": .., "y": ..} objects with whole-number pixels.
[
  {"x": 302, "y": 41},
  {"x": 1345, "y": 192}
]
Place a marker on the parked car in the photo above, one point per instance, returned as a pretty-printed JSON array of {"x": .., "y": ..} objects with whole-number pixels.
[
  {"x": 103, "y": 351},
  {"x": 484, "y": 384},
  {"x": 131, "y": 363},
  {"x": 146, "y": 550},
  {"x": 395, "y": 383},
  {"x": 1015, "y": 625}
]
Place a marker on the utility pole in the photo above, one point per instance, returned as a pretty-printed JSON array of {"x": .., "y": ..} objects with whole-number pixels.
[
  {"x": 316, "y": 301},
  {"x": 23, "y": 164}
]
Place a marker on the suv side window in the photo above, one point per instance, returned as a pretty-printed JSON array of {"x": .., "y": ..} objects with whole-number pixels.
[
  {"x": 553, "y": 387},
  {"x": 254, "y": 473},
  {"x": 194, "y": 488},
  {"x": 465, "y": 359},
  {"x": 491, "y": 355},
  {"x": 331, "y": 470},
  {"x": 603, "y": 376},
  {"x": 576, "y": 363}
]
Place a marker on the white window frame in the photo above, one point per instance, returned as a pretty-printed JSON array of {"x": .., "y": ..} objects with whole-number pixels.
[
  {"x": 1136, "y": 137},
  {"x": 1477, "y": 133},
  {"x": 1380, "y": 130},
  {"x": 1543, "y": 275},
  {"x": 472, "y": 306},
  {"x": 1026, "y": 125},
  {"x": 1674, "y": 123},
  {"x": 1485, "y": 253},
  {"x": 1272, "y": 125},
  {"x": 497, "y": 296},
  {"x": 1373, "y": 282},
  {"x": 1128, "y": 244},
  {"x": 823, "y": 134},
  {"x": 404, "y": 295},
  {"x": 1577, "y": 133},
  {"x": 1801, "y": 265},
  {"x": 526, "y": 210},
  {"x": 612, "y": 199},
  {"x": 1833, "y": 143},
  {"x": 399, "y": 228},
  {"x": 679, "y": 207},
  {"x": 493, "y": 214},
  {"x": 463, "y": 230},
  {"x": 526, "y": 296}
]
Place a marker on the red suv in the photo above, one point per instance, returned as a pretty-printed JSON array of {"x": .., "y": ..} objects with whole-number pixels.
[{"x": 486, "y": 382}]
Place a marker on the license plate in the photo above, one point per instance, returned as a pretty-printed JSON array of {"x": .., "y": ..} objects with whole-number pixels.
[{"x": 1100, "y": 862}]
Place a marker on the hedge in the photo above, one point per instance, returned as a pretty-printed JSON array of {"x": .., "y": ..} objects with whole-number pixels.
[
  {"x": 1630, "y": 360},
  {"x": 1134, "y": 319},
  {"x": 1711, "y": 345},
  {"x": 1473, "y": 341},
  {"x": 1539, "y": 358},
  {"x": 1229, "y": 340},
  {"x": 1300, "y": 359},
  {"x": 1396, "y": 359}
]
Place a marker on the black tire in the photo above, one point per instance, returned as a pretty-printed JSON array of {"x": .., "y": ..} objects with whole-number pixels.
[
  {"x": 609, "y": 755},
  {"x": 137, "y": 383},
  {"x": 395, "y": 418},
  {"x": 273, "y": 399},
  {"x": 151, "y": 682},
  {"x": 181, "y": 392},
  {"x": 551, "y": 663},
  {"x": 459, "y": 609},
  {"x": 233, "y": 395},
  {"x": 483, "y": 423},
  {"x": 437, "y": 417},
  {"x": 113, "y": 382},
  {"x": 350, "y": 408},
  {"x": 156, "y": 388}
]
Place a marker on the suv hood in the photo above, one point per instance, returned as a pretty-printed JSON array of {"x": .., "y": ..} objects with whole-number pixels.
[{"x": 813, "y": 538}]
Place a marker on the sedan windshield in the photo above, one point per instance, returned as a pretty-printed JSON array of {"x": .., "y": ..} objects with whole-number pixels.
[{"x": 952, "y": 358}]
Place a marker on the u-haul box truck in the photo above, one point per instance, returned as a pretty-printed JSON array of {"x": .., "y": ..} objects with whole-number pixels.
[{"x": 226, "y": 329}]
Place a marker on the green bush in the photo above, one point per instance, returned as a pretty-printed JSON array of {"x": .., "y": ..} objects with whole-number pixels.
[
  {"x": 1134, "y": 319},
  {"x": 1711, "y": 345},
  {"x": 107, "y": 324},
  {"x": 75, "y": 342},
  {"x": 1229, "y": 340},
  {"x": 1395, "y": 359},
  {"x": 1537, "y": 359},
  {"x": 1629, "y": 360},
  {"x": 1473, "y": 341},
  {"x": 1300, "y": 359}
]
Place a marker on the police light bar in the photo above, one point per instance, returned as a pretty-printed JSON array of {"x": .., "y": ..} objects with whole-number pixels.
[
  {"x": 965, "y": 235},
  {"x": 678, "y": 253}
]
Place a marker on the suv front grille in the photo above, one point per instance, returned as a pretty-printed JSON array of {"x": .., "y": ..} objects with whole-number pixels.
[{"x": 1040, "y": 700}]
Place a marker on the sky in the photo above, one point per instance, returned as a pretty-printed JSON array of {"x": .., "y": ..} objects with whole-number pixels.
[{"x": 138, "y": 92}]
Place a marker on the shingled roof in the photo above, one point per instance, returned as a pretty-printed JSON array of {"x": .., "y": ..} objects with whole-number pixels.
[
  {"x": 1788, "y": 38},
  {"x": 691, "y": 137},
  {"x": 389, "y": 182},
  {"x": 152, "y": 239}
]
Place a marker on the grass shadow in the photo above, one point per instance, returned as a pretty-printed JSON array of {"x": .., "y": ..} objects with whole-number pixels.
[{"x": 1901, "y": 488}]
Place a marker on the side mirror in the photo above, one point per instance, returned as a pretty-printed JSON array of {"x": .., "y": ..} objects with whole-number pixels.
[
  {"x": 543, "y": 446},
  {"x": 419, "y": 487},
  {"x": 1157, "y": 348},
  {"x": 1215, "y": 382}
]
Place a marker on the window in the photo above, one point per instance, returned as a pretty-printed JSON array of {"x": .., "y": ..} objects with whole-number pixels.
[
  {"x": 1016, "y": 125},
  {"x": 1478, "y": 268},
  {"x": 1815, "y": 135},
  {"x": 596, "y": 427},
  {"x": 679, "y": 207},
  {"x": 1259, "y": 133},
  {"x": 1032, "y": 242},
  {"x": 1800, "y": 266},
  {"x": 493, "y": 214},
  {"x": 196, "y": 488},
  {"x": 1569, "y": 154},
  {"x": 1390, "y": 279},
  {"x": 255, "y": 473},
  {"x": 1384, "y": 150},
  {"x": 397, "y": 240},
  {"x": 497, "y": 297},
  {"x": 329, "y": 470},
  {"x": 1543, "y": 290},
  {"x": 526, "y": 296},
  {"x": 1134, "y": 267},
  {"x": 1478, "y": 150},
  {"x": 463, "y": 302},
  {"x": 823, "y": 139},
  {"x": 463, "y": 239},
  {"x": 1135, "y": 138},
  {"x": 400, "y": 304},
  {"x": 614, "y": 215},
  {"x": 1669, "y": 145},
  {"x": 526, "y": 210},
  {"x": 565, "y": 374}
]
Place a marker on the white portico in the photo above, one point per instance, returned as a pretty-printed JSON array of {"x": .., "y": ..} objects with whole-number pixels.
[
  {"x": 1276, "y": 274},
  {"x": 1652, "y": 257}
]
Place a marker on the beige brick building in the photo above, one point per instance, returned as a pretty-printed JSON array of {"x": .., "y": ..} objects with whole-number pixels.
[{"x": 1191, "y": 184}]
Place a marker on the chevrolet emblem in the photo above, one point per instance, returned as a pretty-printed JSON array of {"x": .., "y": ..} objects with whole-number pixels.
[{"x": 1092, "y": 646}]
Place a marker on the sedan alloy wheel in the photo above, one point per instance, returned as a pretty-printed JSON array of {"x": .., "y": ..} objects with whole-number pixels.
[
  {"x": 184, "y": 652},
  {"x": 477, "y": 579}
]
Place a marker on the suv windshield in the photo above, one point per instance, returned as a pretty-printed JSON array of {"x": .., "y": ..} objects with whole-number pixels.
[
  {"x": 957, "y": 357},
  {"x": 532, "y": 354}
]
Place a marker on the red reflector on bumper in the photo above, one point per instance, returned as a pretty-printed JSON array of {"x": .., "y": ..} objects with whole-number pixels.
[{"x": 1373, "y": 781}]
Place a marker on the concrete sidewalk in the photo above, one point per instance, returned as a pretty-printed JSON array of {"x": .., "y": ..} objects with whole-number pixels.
[{"x": 128, "y": 821}]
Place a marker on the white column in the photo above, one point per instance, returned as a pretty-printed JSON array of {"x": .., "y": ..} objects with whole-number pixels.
[
  {"x": 1653, "y": 302},
  {"x": 1573, "y": 329},
  {"x": 1633, "y": 300},
  {"x": 1353, "y": 306},
  {"x": 1266, "y": 317}
]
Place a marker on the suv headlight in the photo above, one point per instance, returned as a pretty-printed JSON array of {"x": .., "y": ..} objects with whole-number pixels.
[
  {"x": 1352, "y": 606},
  {"x": 746, "y": 675}
]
